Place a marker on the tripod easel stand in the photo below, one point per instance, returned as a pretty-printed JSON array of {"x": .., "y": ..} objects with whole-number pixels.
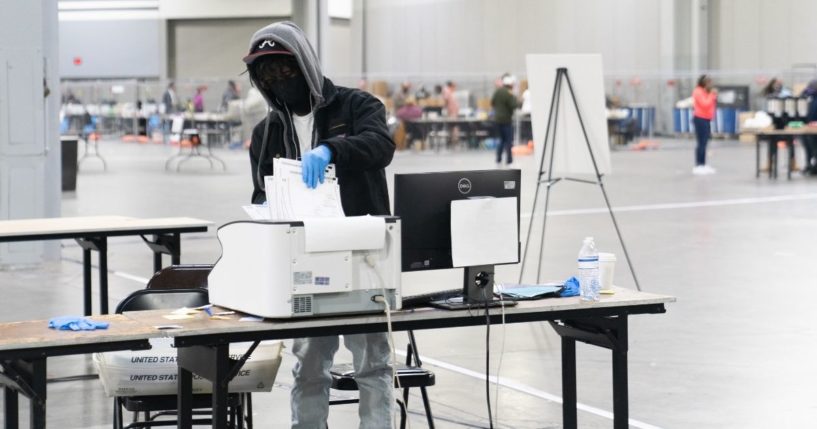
[{"x": 550, "y": 137}]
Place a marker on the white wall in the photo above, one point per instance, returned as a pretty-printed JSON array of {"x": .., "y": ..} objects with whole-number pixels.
[
  {"x": 29, "y": 141},
  {"x": 764, "y": 35},
  {"x": 461, "y": 37}
]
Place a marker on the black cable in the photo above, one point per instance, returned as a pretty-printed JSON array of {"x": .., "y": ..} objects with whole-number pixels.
[{"x": 488, "y": 358}]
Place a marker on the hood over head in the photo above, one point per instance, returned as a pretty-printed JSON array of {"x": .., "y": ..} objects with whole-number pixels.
[{"x": 268, "y": 40}]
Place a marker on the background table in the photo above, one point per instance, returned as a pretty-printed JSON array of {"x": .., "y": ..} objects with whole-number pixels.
[
  {"x": 25, "y": 347},
  {"x": 773, "y": 136},
  {"x": 92, "y": 233}
]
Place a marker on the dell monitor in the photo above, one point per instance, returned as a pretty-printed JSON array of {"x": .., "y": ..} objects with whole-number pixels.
[{"x": 423, "y": 203}]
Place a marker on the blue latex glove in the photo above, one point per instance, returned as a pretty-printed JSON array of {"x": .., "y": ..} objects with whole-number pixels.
[
  {"x": 571, "y": 287},
  {"x": 73, "y": 323},
  {"x": 313, "y": 165}
]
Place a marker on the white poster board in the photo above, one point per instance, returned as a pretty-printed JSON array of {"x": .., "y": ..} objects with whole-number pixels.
[{"x": 570, "y": 157}]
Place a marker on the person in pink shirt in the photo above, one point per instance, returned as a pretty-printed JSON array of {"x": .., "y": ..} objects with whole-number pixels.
[{"x": 704, "y": 100}]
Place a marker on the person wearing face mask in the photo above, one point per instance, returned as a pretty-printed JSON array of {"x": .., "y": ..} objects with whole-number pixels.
[{"x": 317, "y": 122}]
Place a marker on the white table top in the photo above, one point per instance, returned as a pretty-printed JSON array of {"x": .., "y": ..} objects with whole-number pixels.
[
  {"x": 140, "y": 325},
  {"x": 37, "y": 334},
  {"x": 91, "y": 224}
]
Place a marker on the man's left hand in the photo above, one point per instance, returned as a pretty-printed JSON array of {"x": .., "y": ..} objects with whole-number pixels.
[{"x": 313, "y": 165}]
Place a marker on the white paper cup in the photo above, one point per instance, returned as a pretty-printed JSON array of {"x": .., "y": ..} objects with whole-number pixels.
[{"x": 607, "y": 265}]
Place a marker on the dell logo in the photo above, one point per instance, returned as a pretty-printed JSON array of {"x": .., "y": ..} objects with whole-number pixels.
[{"x": 464, "y": 186}]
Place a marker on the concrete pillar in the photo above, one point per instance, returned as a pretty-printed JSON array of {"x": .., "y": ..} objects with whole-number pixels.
[
  {"x": 699, "y": 31},
  {"x": 30, "y": 169},
  {"x": 313, "y": 17}
]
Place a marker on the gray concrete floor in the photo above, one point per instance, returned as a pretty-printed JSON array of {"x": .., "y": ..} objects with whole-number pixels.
[{"x": 733, "y": 352}]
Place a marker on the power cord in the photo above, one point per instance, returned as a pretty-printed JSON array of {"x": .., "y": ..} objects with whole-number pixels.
[
  {"x": 501, "y": 354},
  {"x": 372, "y": 263},
  {"x": 488, "y": 357}
]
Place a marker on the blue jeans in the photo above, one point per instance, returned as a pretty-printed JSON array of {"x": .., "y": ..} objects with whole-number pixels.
[
  {"x": 505, "y": 132},
  {"x": 703, "y": 130}
]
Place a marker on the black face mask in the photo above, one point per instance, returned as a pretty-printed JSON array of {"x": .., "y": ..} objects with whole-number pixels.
[{"x": 292, "y": 91}]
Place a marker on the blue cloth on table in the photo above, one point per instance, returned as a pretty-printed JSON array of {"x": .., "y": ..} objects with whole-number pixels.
[
  {"x": 571, "y": 287},
  {"x": 522, "y": 292},
  {"x": 74, "y": 323}
]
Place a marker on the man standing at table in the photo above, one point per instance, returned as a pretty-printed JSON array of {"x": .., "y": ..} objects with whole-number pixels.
[
  {"x": 504, "y": 103},
  {"x": 317, "y": 122}
]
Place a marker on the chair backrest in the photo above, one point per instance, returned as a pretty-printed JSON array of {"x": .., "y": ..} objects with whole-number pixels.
[
  {"x": 155, "y": 299},
  {"x": 181, "y": 277}
]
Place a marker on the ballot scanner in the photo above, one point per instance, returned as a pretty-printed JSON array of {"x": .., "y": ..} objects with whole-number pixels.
[{"x": 313, "y": 267}]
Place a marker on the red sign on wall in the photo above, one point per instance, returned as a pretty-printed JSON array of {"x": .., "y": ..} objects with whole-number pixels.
[{"x": 77, "y": 61}]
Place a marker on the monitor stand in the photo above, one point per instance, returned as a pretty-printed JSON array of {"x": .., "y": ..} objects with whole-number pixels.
[{"x": 477, "y": 291}]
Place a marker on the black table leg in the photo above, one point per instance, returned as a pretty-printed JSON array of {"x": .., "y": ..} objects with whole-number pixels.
[
  {"x": 38, "y": 380},
  {"x": 100, "y": 244},
  {"x": 790, "y": 144},
  {"x": 102, "y": 248},
  {"x": 26, "y": 377},
  {"x": 757, "y": 157},
  {"x": 11, "y": 408},
  {"x": 164, "y": 244},
  {"x": 220, "y": 384},
  {"x": 606, "y": 332},
  {"x": 176, "y": 249},
  {"x": 157, "y": 262},
  {"x": 620, "y": 393},
  {"x": 569, "y": 414},
  {"x": 86, "y": 282},
  {"x": 214, "y": 364},
  {"x": 185, "y": 393}
]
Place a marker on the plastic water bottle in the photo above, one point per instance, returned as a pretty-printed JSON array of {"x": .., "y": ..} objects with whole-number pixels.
[{"x": 589, "y": 271}]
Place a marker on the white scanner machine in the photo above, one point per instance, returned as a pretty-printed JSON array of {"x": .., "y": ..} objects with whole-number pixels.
[{"x": 326, "y": 266}]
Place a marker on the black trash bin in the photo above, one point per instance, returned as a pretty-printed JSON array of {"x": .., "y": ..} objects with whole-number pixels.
[{"x": 69, "y": 162}]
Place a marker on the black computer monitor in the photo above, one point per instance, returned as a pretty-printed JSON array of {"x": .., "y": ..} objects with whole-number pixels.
[{"x": 423, "y": 203}]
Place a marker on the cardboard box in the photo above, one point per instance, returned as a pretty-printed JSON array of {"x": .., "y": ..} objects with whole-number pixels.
[
  {"x": 154, "y": 371},
  {"x": 747, "y": 138}
]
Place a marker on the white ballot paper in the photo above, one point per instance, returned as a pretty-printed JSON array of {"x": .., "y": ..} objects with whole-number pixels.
[
  {"x": 484, "y": 232},
  {"x": 257, "y": 211},
  {"x": 289, "y": 198}
]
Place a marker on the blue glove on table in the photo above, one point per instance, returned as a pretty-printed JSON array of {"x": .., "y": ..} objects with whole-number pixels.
[
  {"x": 73, "y": 323},
  {"x": 313, "y": 165},
  {"x": 571, "y": 287}
]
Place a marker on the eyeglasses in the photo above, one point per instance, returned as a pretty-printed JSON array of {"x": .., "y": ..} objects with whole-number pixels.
[{"x": 277, "y": 69}]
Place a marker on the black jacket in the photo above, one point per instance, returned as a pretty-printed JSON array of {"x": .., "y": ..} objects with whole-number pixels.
[{"x": 352, "y": 124}]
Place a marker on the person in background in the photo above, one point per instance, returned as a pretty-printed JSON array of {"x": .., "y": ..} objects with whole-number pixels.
[
  {"x": 409, "y": 110},
  {"x": 232, "y": 92},
  {"x": 452, "y": 108},
  {"x": 169, "y": 99},
  {"x": 198, "y": 99},
  {"x": 775, "y": 89},
  {"x": 408, "y": 131},
  {"x": 810, "y": 140},
  {"x": 504, "y": 103},
  {"x": 69, "y": 97},
  {"x": 704, "y": 101},
  {"x": 401, "y": 95},
  {"x": 319, "y": 123}
]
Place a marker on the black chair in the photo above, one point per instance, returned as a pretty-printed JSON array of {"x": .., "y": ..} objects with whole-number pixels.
[
  {"x": 164, "y": 405},
  {"x": 181, "y": 277},
  {"x": 406, "y": 376}
]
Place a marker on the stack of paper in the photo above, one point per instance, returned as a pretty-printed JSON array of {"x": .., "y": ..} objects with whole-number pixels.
[{"x": 288, "y": 198}]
